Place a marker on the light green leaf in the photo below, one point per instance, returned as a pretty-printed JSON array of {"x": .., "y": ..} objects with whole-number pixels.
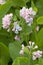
[
  {"x": 27, "y": 1},
  {"x": 19, "y": 3},
  {"x": 40, "y": 39},
  {"x": 14, "y": 49},
  {"x": 40, "y": 61},
  {"x": 4, "y": 54},
  {"x": 39, "y": 5},
  {"x": 20, "y": 61},
  {"x": 34, "y": 7},
  {"x": 40, "y": 20}
]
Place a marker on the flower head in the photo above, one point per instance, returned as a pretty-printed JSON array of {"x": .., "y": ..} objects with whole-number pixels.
[
  {"x": 36, "y": 55},
  {"x": 6, "y": 20},
  {"x": 28, "y": 14},
  {"x": 17, "y": 38},
  {"x": 2, "y": 2},
  {"x": 32, "y": 45},
  {"x": 16, "y": 28}
]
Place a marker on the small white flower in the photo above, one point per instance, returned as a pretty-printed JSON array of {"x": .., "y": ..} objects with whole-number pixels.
[
  {"x": 28, "y": 47},
  {"x": 21, "y": 52},
  {"x": 22, "y": 46},
  {"x": 32, "y": 45},
  {"x": 37, "y": 28},
  {"x": 34, "y": 58},
  {"x": 35, "y": 47}
]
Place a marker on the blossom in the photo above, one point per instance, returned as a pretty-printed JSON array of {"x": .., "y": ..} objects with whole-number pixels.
[
  {"x": 2, "y": 1},
  {"x": 28, "y": 14},
  {"x": 6, "y": 20},
  {"x": 22, "y": 50},
  {"x": 16, "y": 28},
  {"x": 17, "y": 38},
  {"x": 31, "y": 11},
  {"x": 37, "y": 28},
  {"x": 36, "y": 55},
  {"x": 32, "y": 45}
]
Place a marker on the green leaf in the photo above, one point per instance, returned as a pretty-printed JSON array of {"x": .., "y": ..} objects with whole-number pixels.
[
  {"x": 20, "y": 61},
  {"x": 40, "y": 39},
  {"x": 4, "y": 35},
  {"x": 26, "y": 50},
  {"x": 4, "y": 54},
  {"x": 40, "y": 61},
  {"x": 27, "y": 1},
  {"x": 3, "y": 10},
  {"x": 34, "y": 7},
  {"x": 26, "y": 30},
  {"x": 40, "y": 20},
  {"x": 19, "y": 3},
  {"x": 39, "y": 5},
  {"x": 14, "y": 49},
  {"x": 16, "y": 62}
]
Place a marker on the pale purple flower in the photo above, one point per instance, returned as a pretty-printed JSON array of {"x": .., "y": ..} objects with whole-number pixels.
[
  {"x": 6, "y": 20},
  {"x": 16, "y": 28},
  {"x": 31, "y": 11},
  {"x": 36, "y": 55},
  {"x": 2, "y": 2},
  {"x": 17, "y": 38},
  {"x": 28, "y": 14}
]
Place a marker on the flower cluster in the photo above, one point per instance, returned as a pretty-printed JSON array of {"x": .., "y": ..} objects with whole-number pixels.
[
  {"x": 2, "y": 1},
  {"x": 35, "y": 55},
  {"x": 32, "y": 45},
  {"x": 28, "y": 14},
  {"x": 16, "y": 28},
  {"x": 6, "y": 21}
]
